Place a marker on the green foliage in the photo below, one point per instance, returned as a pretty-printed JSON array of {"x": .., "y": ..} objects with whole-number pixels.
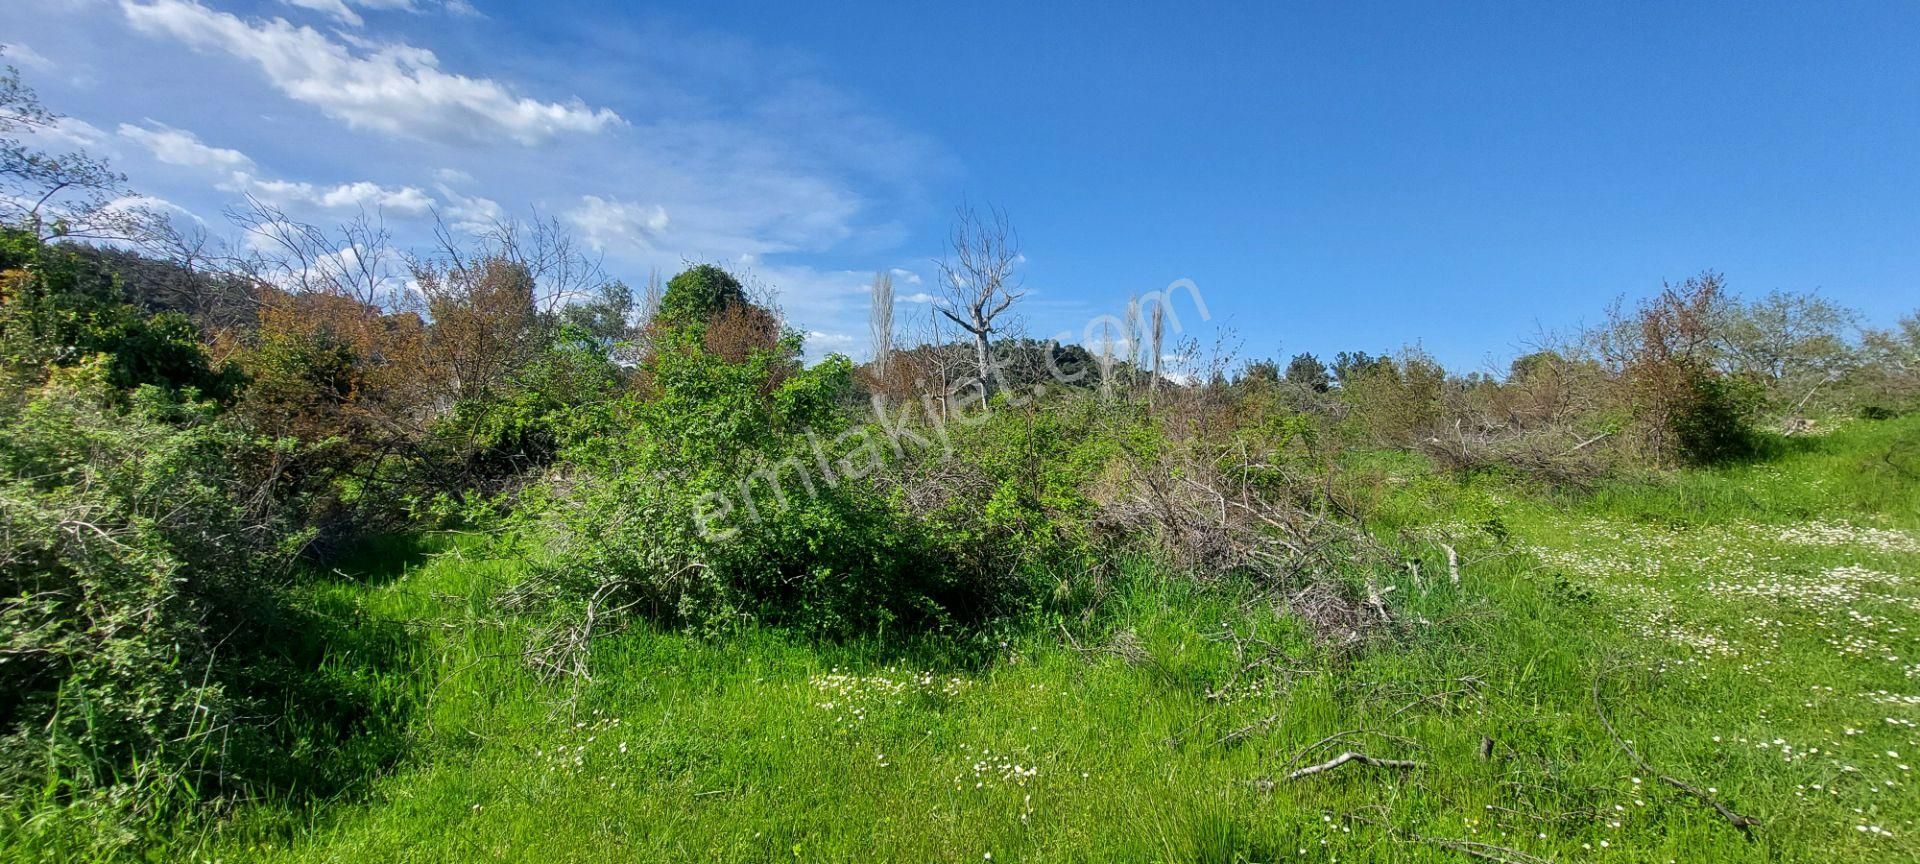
[
  {"x": 699, "y": 293},
  {"x": 61, "y": 307},
  {"x": 1395, "y": 399},
  {"x": 1307, "y": 371},
  {"x": 1713, "y": 421},
  {"x": 523, "y": 424},
  {"x": 704, "y": 505},
  {"x": 132, "y": 555}
]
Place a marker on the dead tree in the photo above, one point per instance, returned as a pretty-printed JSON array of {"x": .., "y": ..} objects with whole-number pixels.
[
  {"x": 1154, "y": 343},
  {"x": 978, "y": 280},
  {"x": 880, "y": 321},
  {"x": 1106, "y": 361}
]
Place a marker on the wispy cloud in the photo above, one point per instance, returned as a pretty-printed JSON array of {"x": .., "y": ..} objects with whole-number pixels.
[
  {"x": 180, "y": 147},
  {"x": 23, "y": 56},
  {"x": 236, "y": 172},
  {"x": 346, "y": 11},
  {"x": 393, "y": 88},
  {"x": 604, "y": 222}
]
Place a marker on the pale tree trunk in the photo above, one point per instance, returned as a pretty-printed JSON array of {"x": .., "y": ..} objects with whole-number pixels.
[{"x": 979, "y": 281}]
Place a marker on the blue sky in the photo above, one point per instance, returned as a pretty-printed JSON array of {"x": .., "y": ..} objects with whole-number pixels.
[{"x": 1336, "y": 176}]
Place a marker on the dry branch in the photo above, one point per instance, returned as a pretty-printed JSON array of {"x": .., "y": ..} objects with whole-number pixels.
[
  {"x": 1745, "y": 823},
  {"x": 1249, "y": 730},
  {"x": 1351, "y": 756}
]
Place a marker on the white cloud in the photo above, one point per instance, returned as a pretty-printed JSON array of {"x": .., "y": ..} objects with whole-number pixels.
[
  {"x": 180, "y": 147},
  {"x": 471, "y": 214},
  {"x": 238, "y": 174},
  {"x": 821, "y": 342},
  {"x": 25, "y": 57},
  {"x": 359, "y": 195},
  {"x": 343, "y": 10},
  {"x": 394, "y": 88},
  {"x": 336, "y": 8},
  {"x": 905, "y": 275},
  {"x": 919, "y": 297},
  {"x": 151, "y": 204},
  {"x": 612, "y": 222},
  {"x": 72, "y": 132}
]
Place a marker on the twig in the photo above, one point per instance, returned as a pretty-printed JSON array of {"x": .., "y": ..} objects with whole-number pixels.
[
  {"x": 1308, "y": 750},
  {"x": 1437, "y": 697},
  {"x": 1350, "y": 756},
  {"x": 1483, "y": 851},
  {"x": 1244, "y": 732},
  {"x": 1745, "y": 823}
]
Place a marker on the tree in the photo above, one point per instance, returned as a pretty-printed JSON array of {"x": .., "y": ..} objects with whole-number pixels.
[
  {"x": 1158, "y": 333},
  {"x": 1259, "y": 373},
  {"x": 58, "y": 195},
  {"x": 483, "y": 321},
  {"x": 1797, "y": 343},
  {"x": 1348, "y": 365},
  {"x": 880, "y": 327},
  {"x": 1307, "y": 371},
  {"x": 697, "y": 294},
  {"x": 977, "y": 277},
  {"x": 605, "y": 316}
]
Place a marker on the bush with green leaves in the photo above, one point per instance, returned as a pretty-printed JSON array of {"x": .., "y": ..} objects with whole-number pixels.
[
  {"x": 1713, "y": 422},
  {"x": 59, "y": 307},
  {"x": 703, "y": 504},
  {"x": 135, "y": 545},
  {"x": 505, "y": 434}
]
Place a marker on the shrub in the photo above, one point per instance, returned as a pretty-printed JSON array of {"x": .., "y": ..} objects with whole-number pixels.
[
  {"x": 697, "y": 294},
  {"x": 1712, "y": 420},
  {"x": 1665, "y": 351},
  {"x": 134, "y": 550},
  {"x": 702, "y": 504},
  {"x": 1395, "y": 400}
]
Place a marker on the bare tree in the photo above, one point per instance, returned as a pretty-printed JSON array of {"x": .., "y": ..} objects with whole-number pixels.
[
  {"x": 939, "y": 356},
  {"x": 355, "y": 261},
  {"x": 880, "y": 322},
  {"x": 977, "y": 277},
  {"x": 1106, "y": 361},
  {"x": 1133, "y": 336},
  {"x": 1159, "y": 332},
  {"x": 562, "y": 271}
]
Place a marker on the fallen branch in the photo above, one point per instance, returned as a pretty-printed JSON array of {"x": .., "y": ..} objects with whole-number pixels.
[
  {"x": 1471, "y": 848},
  {"x": 1746, "y": 824},
  {"x": 1310, "y": 748},
  {"x": 1483, "y": 851},
  {"x": 1584, "y": 444},
  {"x": 1350, "y": 756}
]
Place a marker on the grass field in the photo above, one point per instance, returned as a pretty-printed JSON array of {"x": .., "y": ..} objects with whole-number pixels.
[{"x": 1750, "y": 632}]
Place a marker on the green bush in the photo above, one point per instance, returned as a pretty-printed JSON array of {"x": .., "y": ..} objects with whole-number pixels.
[
  {"x": 132, "y": 553},
  {"x": 704, "y": 505},
  {"x": 1713, "y": 421}
]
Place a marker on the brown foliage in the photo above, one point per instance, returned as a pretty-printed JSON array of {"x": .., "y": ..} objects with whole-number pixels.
[
  {"x": 1662, "y": 351},
  {"x": 741, "y": 329},
  {"x": 483, "y": 321}
]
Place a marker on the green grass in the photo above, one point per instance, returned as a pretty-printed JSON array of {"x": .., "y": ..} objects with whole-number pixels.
[{"x": 1751, "y": 630}]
